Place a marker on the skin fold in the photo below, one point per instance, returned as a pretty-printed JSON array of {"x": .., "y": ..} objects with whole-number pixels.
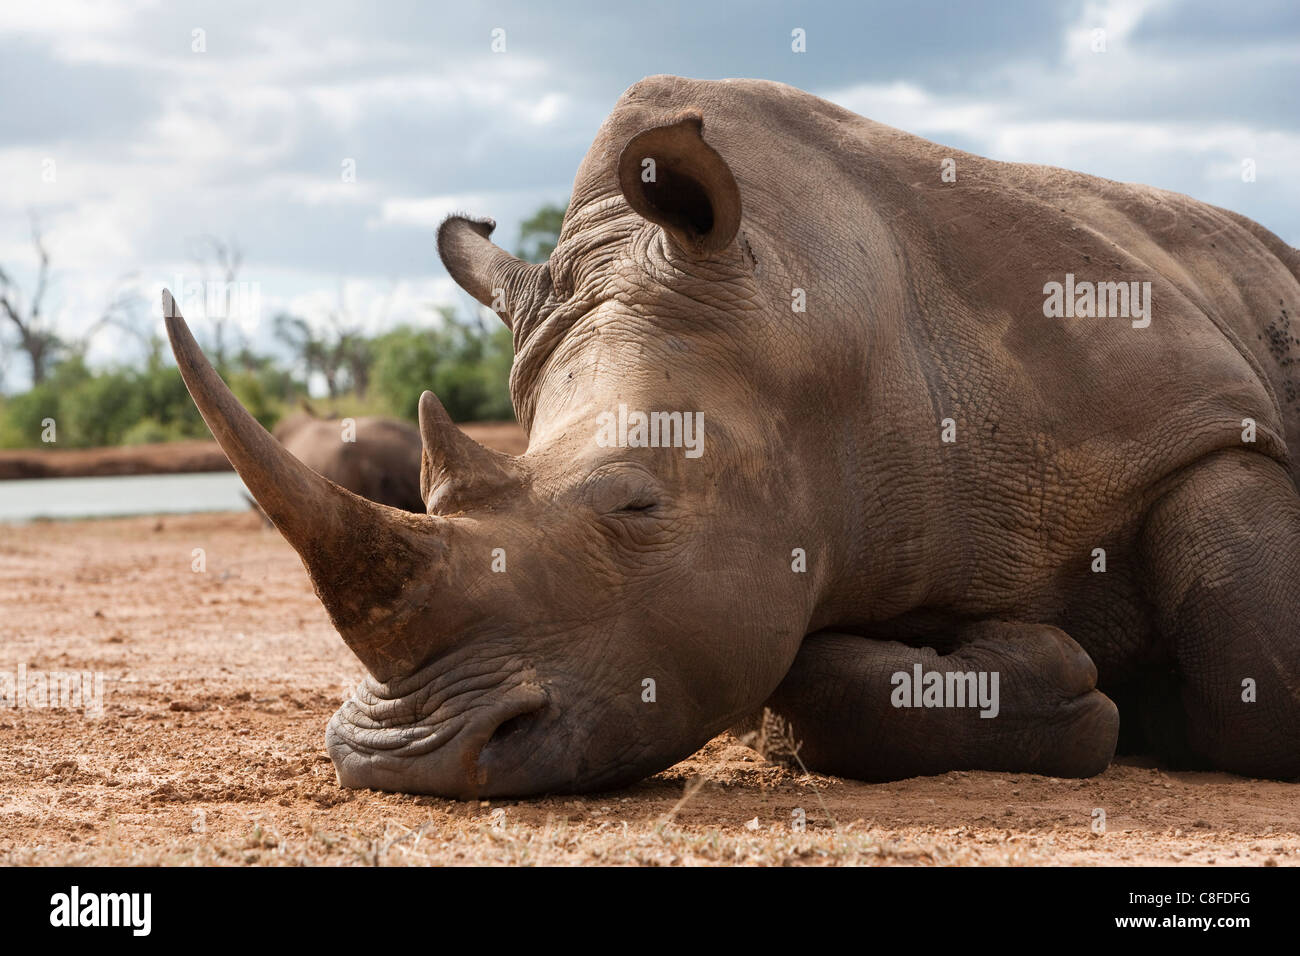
[{"x": 906, "y": 467}]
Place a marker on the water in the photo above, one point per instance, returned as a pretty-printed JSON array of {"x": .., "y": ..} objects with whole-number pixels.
[{"x": 120, "y": 495}]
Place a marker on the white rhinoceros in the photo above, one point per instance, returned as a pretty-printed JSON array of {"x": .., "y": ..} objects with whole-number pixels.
[{"x": 961, "y": 428}]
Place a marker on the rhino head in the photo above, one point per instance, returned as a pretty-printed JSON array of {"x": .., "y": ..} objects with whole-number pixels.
[{"x": 591, "y": 611}]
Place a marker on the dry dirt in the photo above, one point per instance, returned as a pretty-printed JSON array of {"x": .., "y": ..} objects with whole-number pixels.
[{"x": 219, "y": 684}]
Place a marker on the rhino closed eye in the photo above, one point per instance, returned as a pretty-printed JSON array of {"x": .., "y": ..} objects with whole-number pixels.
[
  {"x": 638, "y": 523},
  {"x": 638, "y": 510},
  {"x": 625, "y": 496},
  {"x": 632, "y": 506}
]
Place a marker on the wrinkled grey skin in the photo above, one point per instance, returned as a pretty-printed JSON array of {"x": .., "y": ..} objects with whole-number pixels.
[
  {"x": 382, "y": 464},
  {"x": 924, "y": 302}
]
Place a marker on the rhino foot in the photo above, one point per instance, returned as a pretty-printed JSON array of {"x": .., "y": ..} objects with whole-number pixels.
[
  {"x": 1221, "y": 551},
  {"x": 1009, "y": 697}
]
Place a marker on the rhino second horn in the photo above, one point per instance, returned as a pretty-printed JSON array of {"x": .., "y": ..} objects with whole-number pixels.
[
  {"x": 500, "y": 281},
  {"x": 454, "y": 466},
  {"x": 372, "y": 566}
]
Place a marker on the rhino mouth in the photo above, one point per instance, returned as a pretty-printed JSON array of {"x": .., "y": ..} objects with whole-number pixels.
[
  {"x": 465, "y": 735},
  {"x": 358, "y": 725}
]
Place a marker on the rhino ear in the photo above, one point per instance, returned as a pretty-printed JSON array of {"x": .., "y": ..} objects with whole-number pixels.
[
  {"x": 673, "y": 178},
  {"x": 486, "y": 271}
]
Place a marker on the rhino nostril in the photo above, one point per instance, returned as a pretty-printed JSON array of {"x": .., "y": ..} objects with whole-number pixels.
[{"x": 514, "y": 726}]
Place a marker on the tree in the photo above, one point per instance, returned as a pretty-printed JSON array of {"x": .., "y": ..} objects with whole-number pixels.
[
  {"x": 36, "y": 336},
  {"x": 352, "y": 353},
  {"x": 343, "y": 355},
  {"x": 463, "y": 362},
  {"x": 539, "y": 233},
  {"x": 226, "y": 257},
  {"x": 124, "y": 312},
  {"x": 310, "y": 349}
]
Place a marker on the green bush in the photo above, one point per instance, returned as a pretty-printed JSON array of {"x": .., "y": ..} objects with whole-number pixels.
[
  {"x": 166, "y": 400},
  {"x": 148, "y": 431},
  {"x": 117, "y": 406},
  {"x": 99, "y": 411},
  {"x": 464, "y": 363},
  {"x": 466, "y": 366},
  {"x": 24, "y": 413}
]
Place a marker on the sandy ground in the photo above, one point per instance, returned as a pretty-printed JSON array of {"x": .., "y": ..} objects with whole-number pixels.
[
  {"x": 210, "y": 749},
  {"x": 167, "y": 458}
]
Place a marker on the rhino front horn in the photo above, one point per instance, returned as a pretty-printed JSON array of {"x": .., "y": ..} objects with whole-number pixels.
[{"x": 373, "y": 567}]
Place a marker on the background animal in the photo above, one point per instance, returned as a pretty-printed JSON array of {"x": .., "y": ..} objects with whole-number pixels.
[
  {"x": 908, "y": 467},
  {"x": 377, "y": 458}
]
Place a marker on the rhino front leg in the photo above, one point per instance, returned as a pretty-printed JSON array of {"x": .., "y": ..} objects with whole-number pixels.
[
  {"x": 855, "y": 705},
  {"x": 1222, "y": 555}
]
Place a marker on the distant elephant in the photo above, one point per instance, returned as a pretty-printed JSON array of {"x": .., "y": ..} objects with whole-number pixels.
[{"x": 377, "y": 458}]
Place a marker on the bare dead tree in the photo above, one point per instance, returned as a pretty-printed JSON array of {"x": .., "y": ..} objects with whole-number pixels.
[
  {"x": 123, "y": 312},
  {"x": 352, "y": 348},
  {"x": 225, "y": 257},
  {"x": 36, "y": 336},
  {"x": 315, "y": 353}
]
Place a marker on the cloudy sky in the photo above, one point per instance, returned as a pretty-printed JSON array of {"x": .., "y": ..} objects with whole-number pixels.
[{"x": 132, "y": 128}]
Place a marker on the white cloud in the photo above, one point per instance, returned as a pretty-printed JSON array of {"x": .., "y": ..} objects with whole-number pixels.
[
  {"x": 427, "y": 212},
  {"x": 1046, "y": 125},
  {"x": 58, "y": 19},
  {"x": 243, "y": 138}
]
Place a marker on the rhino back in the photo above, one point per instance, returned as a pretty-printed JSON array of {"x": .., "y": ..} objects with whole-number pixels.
[{"x": 925, "y": 302}]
